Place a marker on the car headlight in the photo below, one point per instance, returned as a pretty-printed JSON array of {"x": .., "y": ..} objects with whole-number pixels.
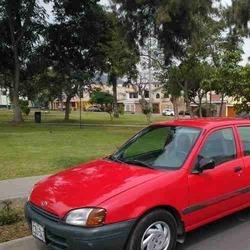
[{"x": 88, "y": 217}]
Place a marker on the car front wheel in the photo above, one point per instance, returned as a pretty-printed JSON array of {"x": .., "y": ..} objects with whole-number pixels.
[{"x": 156, "y": 231}]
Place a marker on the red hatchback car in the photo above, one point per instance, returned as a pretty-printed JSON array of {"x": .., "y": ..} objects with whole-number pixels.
[{"x": 167, "y": 180}]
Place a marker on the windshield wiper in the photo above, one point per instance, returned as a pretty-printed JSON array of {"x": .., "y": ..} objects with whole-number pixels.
[
  {"x": 139, "y": 163},
  {"x": 115, "y": 159}
]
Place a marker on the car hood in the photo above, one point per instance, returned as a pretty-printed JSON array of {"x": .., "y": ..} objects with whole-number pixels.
[{"x": 88, "y": 185}]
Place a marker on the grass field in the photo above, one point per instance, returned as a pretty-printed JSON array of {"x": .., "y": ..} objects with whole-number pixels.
[
  {"x": 34, "y": 149},
  {"x": 87, "y": 118},
  {"x": 28, "y": 150}
]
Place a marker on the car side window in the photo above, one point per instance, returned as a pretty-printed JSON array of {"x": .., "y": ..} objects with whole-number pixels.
[
  {"x": 245, "y": 138},
  {"x": 219, "y": 146}
]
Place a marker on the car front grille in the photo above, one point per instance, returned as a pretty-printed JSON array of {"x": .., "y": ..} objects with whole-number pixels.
[
  {"x": 53, "y": 240},
  {"x": 44, "y": 213}
]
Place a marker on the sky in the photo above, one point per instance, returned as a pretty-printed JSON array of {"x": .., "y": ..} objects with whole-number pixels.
[{"x": 246, "y": 46}]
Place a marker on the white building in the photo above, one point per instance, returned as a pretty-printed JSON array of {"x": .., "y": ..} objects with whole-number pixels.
[{"x": 4, "y": 98}]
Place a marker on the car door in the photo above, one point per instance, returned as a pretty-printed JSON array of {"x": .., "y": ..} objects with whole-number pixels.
[
  {"x": 215, "y": 191},
  {"x": 244, "y": 136}
]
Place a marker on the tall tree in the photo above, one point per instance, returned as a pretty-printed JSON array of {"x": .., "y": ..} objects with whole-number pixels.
[
  {"x": 172, "y": 22},
  {"x": 71, "y": 44},
  {"x": 120, "y": 54},
  {"x": 227, "y": 76},
  {"x": 239, "y": 15},
  {"x": 177, "y": 25},
  {"x": 21, "y": 22}
]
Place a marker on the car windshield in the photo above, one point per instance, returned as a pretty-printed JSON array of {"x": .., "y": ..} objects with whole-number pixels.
[{"x": 158, "y": 147}]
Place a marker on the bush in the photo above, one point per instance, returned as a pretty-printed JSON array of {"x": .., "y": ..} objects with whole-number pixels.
[
  {"x": 24, "y": 105},
  {"x": 8, "y": 215},
  {"x": 121, "y": 109}
]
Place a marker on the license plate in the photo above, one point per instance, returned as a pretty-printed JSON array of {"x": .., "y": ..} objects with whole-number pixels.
[{"x": 38, "y": 231}]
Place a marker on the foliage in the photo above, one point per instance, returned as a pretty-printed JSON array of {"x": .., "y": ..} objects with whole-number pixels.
[
  {"x": 120, "y": 54},
  {"x": 21, "y": 24},
  {"x": 24, "y": 107},
  {"x": 238, "y": 14},
  {"x": 102, "y": 98},
  {"x": 242, "y": 91},
  {"x": 8, "y": 215},
  {"x": 71, "y": 45},
  {"x": 226, "y": 76},
  {"x": 121, "y": 109},
  {"x": 173, "y": 23}
]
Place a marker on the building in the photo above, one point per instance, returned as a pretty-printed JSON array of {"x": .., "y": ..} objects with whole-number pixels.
[
  {"x": 127, "y": 95},
  {"x": 4, "y": 98},
  {"x": 159, "y": 100}
]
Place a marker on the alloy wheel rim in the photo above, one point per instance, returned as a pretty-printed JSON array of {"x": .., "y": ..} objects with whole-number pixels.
[{"x": 156, "y": 237}]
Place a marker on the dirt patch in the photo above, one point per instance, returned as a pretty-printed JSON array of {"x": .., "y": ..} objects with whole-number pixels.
[{"x": 17, "y": 229}]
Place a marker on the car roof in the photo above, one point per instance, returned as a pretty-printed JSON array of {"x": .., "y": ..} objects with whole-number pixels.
[{"x": 206, "y": 123}]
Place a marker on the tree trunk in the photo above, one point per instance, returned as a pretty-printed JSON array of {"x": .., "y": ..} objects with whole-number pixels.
[
  {"x": 145, "y": 106},
  {"x": 188, "y": 103},
  {"x": 221, "y": 105},
  {"x": 200, "y": 110},
  {"x": 114, "y": 85},
  {"x": 67, "y": 109},
  {"x": 188, "y": 107},
  {"x": 17, "y": 114},
  {"x": 175, "y": 105},
  {"x": 210, "y": 104}
]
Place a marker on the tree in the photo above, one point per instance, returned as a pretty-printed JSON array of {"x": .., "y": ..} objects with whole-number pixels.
[
  {"x": 120, "y": 55},
  {"x": 104, "y": 99},
  {"x": 21, "y": 23},
  {"x": 227, "y": 75},
  {"x": 179, "y": 26},
  {"x": 238, "y": 14},
  {"x": 242, "y": 92},
  {"x": 71, "y": 44},
  {"x": 173, "y": 23}
]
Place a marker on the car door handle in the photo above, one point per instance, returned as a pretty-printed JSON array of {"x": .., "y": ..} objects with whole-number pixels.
[{"x": 237, "y": 169}]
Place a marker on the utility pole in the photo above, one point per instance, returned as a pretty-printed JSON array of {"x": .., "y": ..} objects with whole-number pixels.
[
  {"x": 80, "y": 96},
  {"x": 150, "y": 78}
]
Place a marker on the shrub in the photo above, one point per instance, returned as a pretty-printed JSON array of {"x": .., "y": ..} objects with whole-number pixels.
[
  {"x": 24, "y": 105},
  {"x": 8, "y": 215},
  {"x": 121, "y": 109}
]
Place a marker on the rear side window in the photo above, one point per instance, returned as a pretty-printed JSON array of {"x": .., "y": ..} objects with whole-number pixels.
[
  {"x": 219, "y": 146},
  {"x": 245, "y": 138}
]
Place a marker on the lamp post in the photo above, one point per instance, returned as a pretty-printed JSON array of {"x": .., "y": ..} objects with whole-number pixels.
[{"x": 81, "y": 96}]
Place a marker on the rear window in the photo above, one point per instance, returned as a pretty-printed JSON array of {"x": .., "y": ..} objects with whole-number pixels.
[{"x": 245, "y": 138}]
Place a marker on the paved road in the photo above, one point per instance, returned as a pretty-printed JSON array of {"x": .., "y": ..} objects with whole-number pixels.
[
  {"x": 231, "y": 233},
  {"x": 17, "y": 188}
]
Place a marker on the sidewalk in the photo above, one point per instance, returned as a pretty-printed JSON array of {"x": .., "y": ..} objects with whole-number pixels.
[
  {"x": 17, "y": 188},
  {"x": 27, "y": 243}
]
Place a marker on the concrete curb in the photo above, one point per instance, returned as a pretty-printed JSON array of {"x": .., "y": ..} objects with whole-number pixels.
[
  {"x": 26, "y": 243},
  {"x": 17, "y": 188}
]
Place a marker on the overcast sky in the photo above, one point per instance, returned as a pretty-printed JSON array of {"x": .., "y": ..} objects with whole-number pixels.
[{"x": 246, "y": 46}]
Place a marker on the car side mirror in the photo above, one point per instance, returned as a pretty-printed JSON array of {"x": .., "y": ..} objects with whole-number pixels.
[{"x": 204, "y": 164}]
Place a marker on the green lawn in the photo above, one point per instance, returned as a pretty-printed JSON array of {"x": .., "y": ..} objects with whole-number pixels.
[
  {"x": 87, "y": 117},
  {"x": 34, "y": 149},
  {"x": 28, "y": 150}
]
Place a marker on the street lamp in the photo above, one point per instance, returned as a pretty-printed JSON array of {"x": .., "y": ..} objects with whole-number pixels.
[{"x": 81, "y": 96}]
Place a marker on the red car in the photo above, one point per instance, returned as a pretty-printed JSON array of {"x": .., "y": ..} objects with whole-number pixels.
[{"x": 167, "y": 180}]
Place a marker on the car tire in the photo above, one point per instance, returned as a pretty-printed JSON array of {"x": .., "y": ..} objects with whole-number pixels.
[{"x": 156, "y": 229}]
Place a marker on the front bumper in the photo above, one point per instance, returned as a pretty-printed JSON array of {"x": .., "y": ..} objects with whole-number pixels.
[{"x": 62, "y": 236}]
